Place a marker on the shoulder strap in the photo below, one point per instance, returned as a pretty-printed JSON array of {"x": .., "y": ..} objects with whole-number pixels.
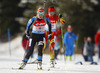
[
  {"x": 45, "y": 19},
  {"x": 34, "y": 20}
]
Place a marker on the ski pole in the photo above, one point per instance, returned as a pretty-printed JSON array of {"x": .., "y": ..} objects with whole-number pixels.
[
  {"x": 62, "y": 44},
  {"x": 44, "y": 4},
  {"x": 61, "y": 33}
]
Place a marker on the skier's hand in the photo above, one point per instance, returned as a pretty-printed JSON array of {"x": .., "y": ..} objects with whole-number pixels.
[
  {"x": 27, "y": 36},
  {"x": 77, "y": 34},
  {"x": 62, "y": 20},
  {"x": 49, "y": 36}
]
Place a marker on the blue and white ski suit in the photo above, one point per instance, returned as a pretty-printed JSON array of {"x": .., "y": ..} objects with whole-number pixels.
[{"x": 69, "y": 42}]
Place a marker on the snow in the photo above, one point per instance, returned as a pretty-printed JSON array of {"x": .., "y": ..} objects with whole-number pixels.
[{"x": 8, "y": 62}]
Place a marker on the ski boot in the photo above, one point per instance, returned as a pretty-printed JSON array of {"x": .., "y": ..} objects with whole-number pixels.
[
  {"x": 22, "y": 65},
  {"x": 52, "y": 65},
  {"x": 39, "y": 65}
]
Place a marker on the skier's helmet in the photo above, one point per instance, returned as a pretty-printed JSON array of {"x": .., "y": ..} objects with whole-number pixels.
[
  {"x": 51, "y": 9},
  {"x": 40, "y": 11}
]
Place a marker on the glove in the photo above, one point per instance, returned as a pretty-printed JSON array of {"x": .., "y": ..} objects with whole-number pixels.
[
  {"x": 27, "y": 36},
  {"x": 62, "y": 20},
  {"x": 49, "y": 36},
  {"x": 60, "y": 15}
]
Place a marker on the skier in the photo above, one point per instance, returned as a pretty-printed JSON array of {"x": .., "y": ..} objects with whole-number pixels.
[
  {"x": 25, "y": 44},
  {"x": 69, "y": 42},
  {"x": 39, "y": 23},
  {"x": 53, "y": 19}
]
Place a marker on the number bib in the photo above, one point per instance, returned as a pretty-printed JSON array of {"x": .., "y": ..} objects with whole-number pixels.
[{"x": 39, "y": 26}]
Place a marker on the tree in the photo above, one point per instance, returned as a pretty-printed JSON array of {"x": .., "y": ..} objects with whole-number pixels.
[
  {"x": 9, "y": 11},
  {"x": 83, "y": 16}
]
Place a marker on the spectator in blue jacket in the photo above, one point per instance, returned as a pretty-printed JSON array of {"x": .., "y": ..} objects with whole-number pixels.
[{"x": 69, "y": 42}]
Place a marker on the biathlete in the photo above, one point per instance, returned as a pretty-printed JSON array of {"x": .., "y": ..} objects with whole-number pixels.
[
  {"x": 38, "y": 23},
  {"x": 53, "y": 19}
]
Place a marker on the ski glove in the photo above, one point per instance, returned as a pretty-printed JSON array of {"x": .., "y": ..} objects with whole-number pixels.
[
  {"x": 28, "y": 35},
  {"x": 49, "y": 36},
  {"x": 26, "y": 38},
  {"x": 62, "y": 20}
]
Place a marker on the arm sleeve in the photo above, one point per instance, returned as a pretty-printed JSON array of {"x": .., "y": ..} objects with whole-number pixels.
[
  {"x": 65, "y": 38},
  {"x": 29, "y": 24},
  {"x": 75, "y": 36},
  {"x": 49, "y": 25}
]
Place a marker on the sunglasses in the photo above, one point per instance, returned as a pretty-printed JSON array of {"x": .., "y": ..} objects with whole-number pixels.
[
  {"x": 41, "y": 13},
  {"x": 51, "y": 12}
]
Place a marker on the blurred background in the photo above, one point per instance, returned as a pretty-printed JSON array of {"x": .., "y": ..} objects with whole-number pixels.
[{"x": 82, "y": 15}]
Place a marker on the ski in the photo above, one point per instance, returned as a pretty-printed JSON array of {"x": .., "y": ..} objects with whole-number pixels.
[
  {"x": 32, "y": 63},
  {"x": 52, "y": 68},
  {"x": 17, "y": 68}
]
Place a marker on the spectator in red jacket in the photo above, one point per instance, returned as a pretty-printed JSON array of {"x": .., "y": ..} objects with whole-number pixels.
[
  {"x": 57, "y": 45},
  {"x": 97, "y": 41},
  {"x": 25, "y": 44}
]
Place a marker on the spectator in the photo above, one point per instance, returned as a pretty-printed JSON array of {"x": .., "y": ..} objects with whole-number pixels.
[
  {"x": 97, "y": 42},
  {"x": 90, "y": 49},
  {"x": 84, "y": 50}
]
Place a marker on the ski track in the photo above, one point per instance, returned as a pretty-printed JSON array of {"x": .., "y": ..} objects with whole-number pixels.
[{"x": 8, "y": 62}]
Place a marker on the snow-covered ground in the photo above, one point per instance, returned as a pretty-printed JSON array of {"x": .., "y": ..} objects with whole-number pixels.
[{"x": 8, "y": 62}]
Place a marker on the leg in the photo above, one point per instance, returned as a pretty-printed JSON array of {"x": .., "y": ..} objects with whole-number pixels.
[
  {"x": 65, "y": 57},
  {"x": 70, "y": 58},
  {"x": 32, "y": 42},
  {"x": 52, "y": 54},
  {"x": 32, "y": 56},
  {"x": 52, "y": 58},
  {"x": 51, "y": 48},
  {"x": 90, "y": 58},
  {"x": 66, "y": 54},
  {"x": 57, "y": 52},
  {"x": 40, "y": 53},
  {"x": 99, "y": 51},
  {"x": 55, "y": 56},
  {"x": 72, "y": 52},
  {"x": 85, "y": 58}
]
